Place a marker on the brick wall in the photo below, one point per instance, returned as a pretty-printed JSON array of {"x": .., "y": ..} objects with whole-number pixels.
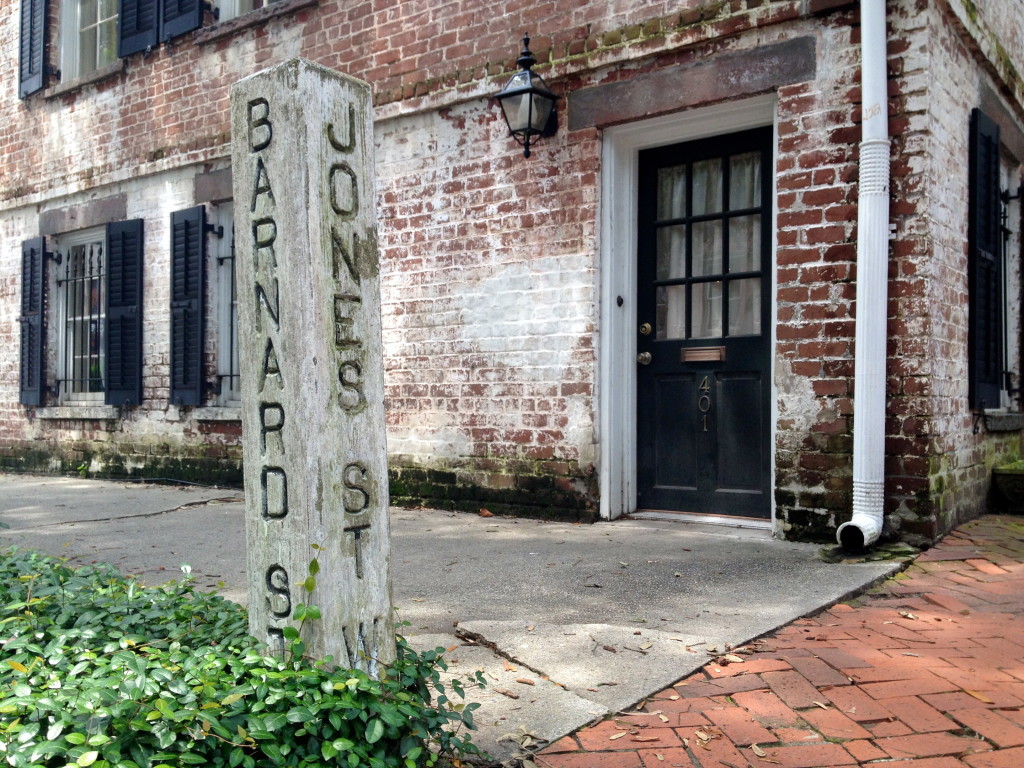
[
  {"x": 490, "y": 263},
  {"x": 816, "y": 175}
]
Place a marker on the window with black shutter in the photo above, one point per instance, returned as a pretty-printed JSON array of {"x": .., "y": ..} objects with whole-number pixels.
[
  {"x": 985, "y": 278},
  {"x": 124, "y": 313},
  {"x": 188, "y": 288},
  {"x": 33, "y": 321},
  {"x": 32, "y": 62}
]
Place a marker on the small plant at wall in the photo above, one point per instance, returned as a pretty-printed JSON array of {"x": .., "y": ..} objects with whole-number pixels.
[
  {"x": 98, "y": 670},
  {"x": 83, "y": 469}
]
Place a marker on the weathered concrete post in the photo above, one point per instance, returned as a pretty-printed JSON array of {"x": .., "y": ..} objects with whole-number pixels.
[{"x": 315, "y": 461}]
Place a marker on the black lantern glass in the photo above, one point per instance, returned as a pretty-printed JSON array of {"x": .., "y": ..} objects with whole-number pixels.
[{"x": 527, "y": 103}]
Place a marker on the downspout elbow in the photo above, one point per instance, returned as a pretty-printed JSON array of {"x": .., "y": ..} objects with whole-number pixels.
[{"x": 860, "y": 532}]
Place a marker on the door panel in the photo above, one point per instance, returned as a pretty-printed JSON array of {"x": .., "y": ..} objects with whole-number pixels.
[
  {"x": 702, "y": 396},
  {"x": 739, "y": 429},
  {"x": 675, "y": 459}
]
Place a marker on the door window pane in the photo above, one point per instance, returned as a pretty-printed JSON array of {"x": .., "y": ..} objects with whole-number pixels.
[
  {"x": 745, "y": 243},
  {"x": 745, "y": 307},
  {"x": 671, "y": 256},
  {"x": 707, "y": 310},
  {"x": 707, "y": 187},
  {"x": 745, "y": 181},
  {"x": 671, "y": 312},
  {"x": 672, "y": 192},
  {"x": 707, "y": 248}
]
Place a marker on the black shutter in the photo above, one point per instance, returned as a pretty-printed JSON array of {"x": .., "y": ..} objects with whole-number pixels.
[
  {"x": 137, "y": 25},
  {"x": 32, "y": 66},
  {"x": 33, "y": 320},
  {"x": 124, "y": 312},
  {"x": 984, "y": 248},
  {"x": 178, "y": 17},
  {"x": 188, "y": 287}
]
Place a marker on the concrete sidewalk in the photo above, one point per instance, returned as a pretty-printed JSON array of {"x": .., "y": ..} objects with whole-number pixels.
[
  {"x": 592, "y": 617},
  {"x": 924, "y": 671}
]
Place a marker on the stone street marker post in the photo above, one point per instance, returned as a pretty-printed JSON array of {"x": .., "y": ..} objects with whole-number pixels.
[{"x": 315, "y": 461}]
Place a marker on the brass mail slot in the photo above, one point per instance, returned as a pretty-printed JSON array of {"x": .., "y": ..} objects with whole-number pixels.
[{"x": 703, "y": 354}]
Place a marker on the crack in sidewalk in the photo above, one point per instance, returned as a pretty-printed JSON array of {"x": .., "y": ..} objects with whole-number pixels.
[
  {"x": 476, "y": 637},
  {"x": 187, "y": 505}
]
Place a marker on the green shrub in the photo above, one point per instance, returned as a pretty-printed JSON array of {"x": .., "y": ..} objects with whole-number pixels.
[{"x": 99, "y": 670}]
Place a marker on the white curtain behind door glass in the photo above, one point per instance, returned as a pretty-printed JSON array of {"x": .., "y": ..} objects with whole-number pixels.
[
  {"x": 670, "y": 313},
  {"x": 706, "y": 298},
  {"x": 672, "y": 192},
  {"x": 745, "y": 244}
]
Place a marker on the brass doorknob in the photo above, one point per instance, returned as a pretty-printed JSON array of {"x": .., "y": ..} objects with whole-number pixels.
[
  {"x": 644, "y": 358},
  {"x": 646, "y": 329}
]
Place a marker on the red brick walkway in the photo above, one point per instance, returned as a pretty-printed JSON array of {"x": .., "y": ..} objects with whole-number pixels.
[{"x": 925, "y": 671}]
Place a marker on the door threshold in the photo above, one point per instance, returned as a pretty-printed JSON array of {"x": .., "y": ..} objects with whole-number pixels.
[{"x": 746, "y": 524}]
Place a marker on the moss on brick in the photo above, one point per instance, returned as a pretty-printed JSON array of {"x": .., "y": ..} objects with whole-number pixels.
[{"x": 532, "y": 493}]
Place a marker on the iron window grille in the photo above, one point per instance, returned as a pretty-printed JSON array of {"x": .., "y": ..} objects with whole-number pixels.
[{"x": 82, "y": 297}]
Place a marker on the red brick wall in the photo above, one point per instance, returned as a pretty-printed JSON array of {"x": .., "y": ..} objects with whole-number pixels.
[{"x": 490, "y": 262}]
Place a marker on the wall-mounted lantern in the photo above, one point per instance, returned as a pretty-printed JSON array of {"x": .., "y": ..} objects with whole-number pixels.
[{"x": 527, "y": 103}]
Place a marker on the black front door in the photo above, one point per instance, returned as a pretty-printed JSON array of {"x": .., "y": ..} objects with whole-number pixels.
[{"x": 702, "y": 326}]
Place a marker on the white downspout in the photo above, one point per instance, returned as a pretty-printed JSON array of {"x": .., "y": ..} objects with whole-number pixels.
[{"x": 872, "y": 288}]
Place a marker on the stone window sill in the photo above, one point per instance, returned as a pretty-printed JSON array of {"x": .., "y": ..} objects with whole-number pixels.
[
  {"x": 80, "y": 82},
  {"x": 223, "y": 29},
  {"x": 79, "y": 413},
  {"x": 1004, "y": 422},
  {"x": 217, "y": 413}
]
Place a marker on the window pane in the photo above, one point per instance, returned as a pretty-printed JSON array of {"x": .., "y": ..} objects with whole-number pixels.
[
  {"x": 745, "y": 181},
  {"x": 707, "y": 186},
  {"x": 707, "y": 310},
  {"x": 745, "y": 307},
  {"x": 707, "y": 248},
  {"x": 745, "y": 244},
  {"x": 671, "y": 312},
  {"x": 106, "y": 51},
  {"x": 671, "y": 258},
  {"x": 87, "y": 13},
  {"x": 87, "y": 51},
  {"x": 672, "y": 192}
]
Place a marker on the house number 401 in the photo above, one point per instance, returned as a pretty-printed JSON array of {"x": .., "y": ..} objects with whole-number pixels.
[{"x": 704, "y": 401}]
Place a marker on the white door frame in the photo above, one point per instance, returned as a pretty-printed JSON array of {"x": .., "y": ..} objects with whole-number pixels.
[{"x": 617, "y": 361}]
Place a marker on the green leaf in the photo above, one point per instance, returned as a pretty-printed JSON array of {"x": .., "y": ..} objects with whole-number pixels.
[
  {"x": 88, "y": 758},
  {"x": 75, "y": 738},
  {"x": 299, "y": 714},
  {"x": 275, "y": 720},
  {"x": 309, "y": 584},
  {"x": 314, "y": 567},
  {"x": 231, "y": 698},
  {"x": 374, "y": 731}
]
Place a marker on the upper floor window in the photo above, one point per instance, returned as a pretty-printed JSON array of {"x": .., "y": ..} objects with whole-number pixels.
[{"x": 88, "y": 36}]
